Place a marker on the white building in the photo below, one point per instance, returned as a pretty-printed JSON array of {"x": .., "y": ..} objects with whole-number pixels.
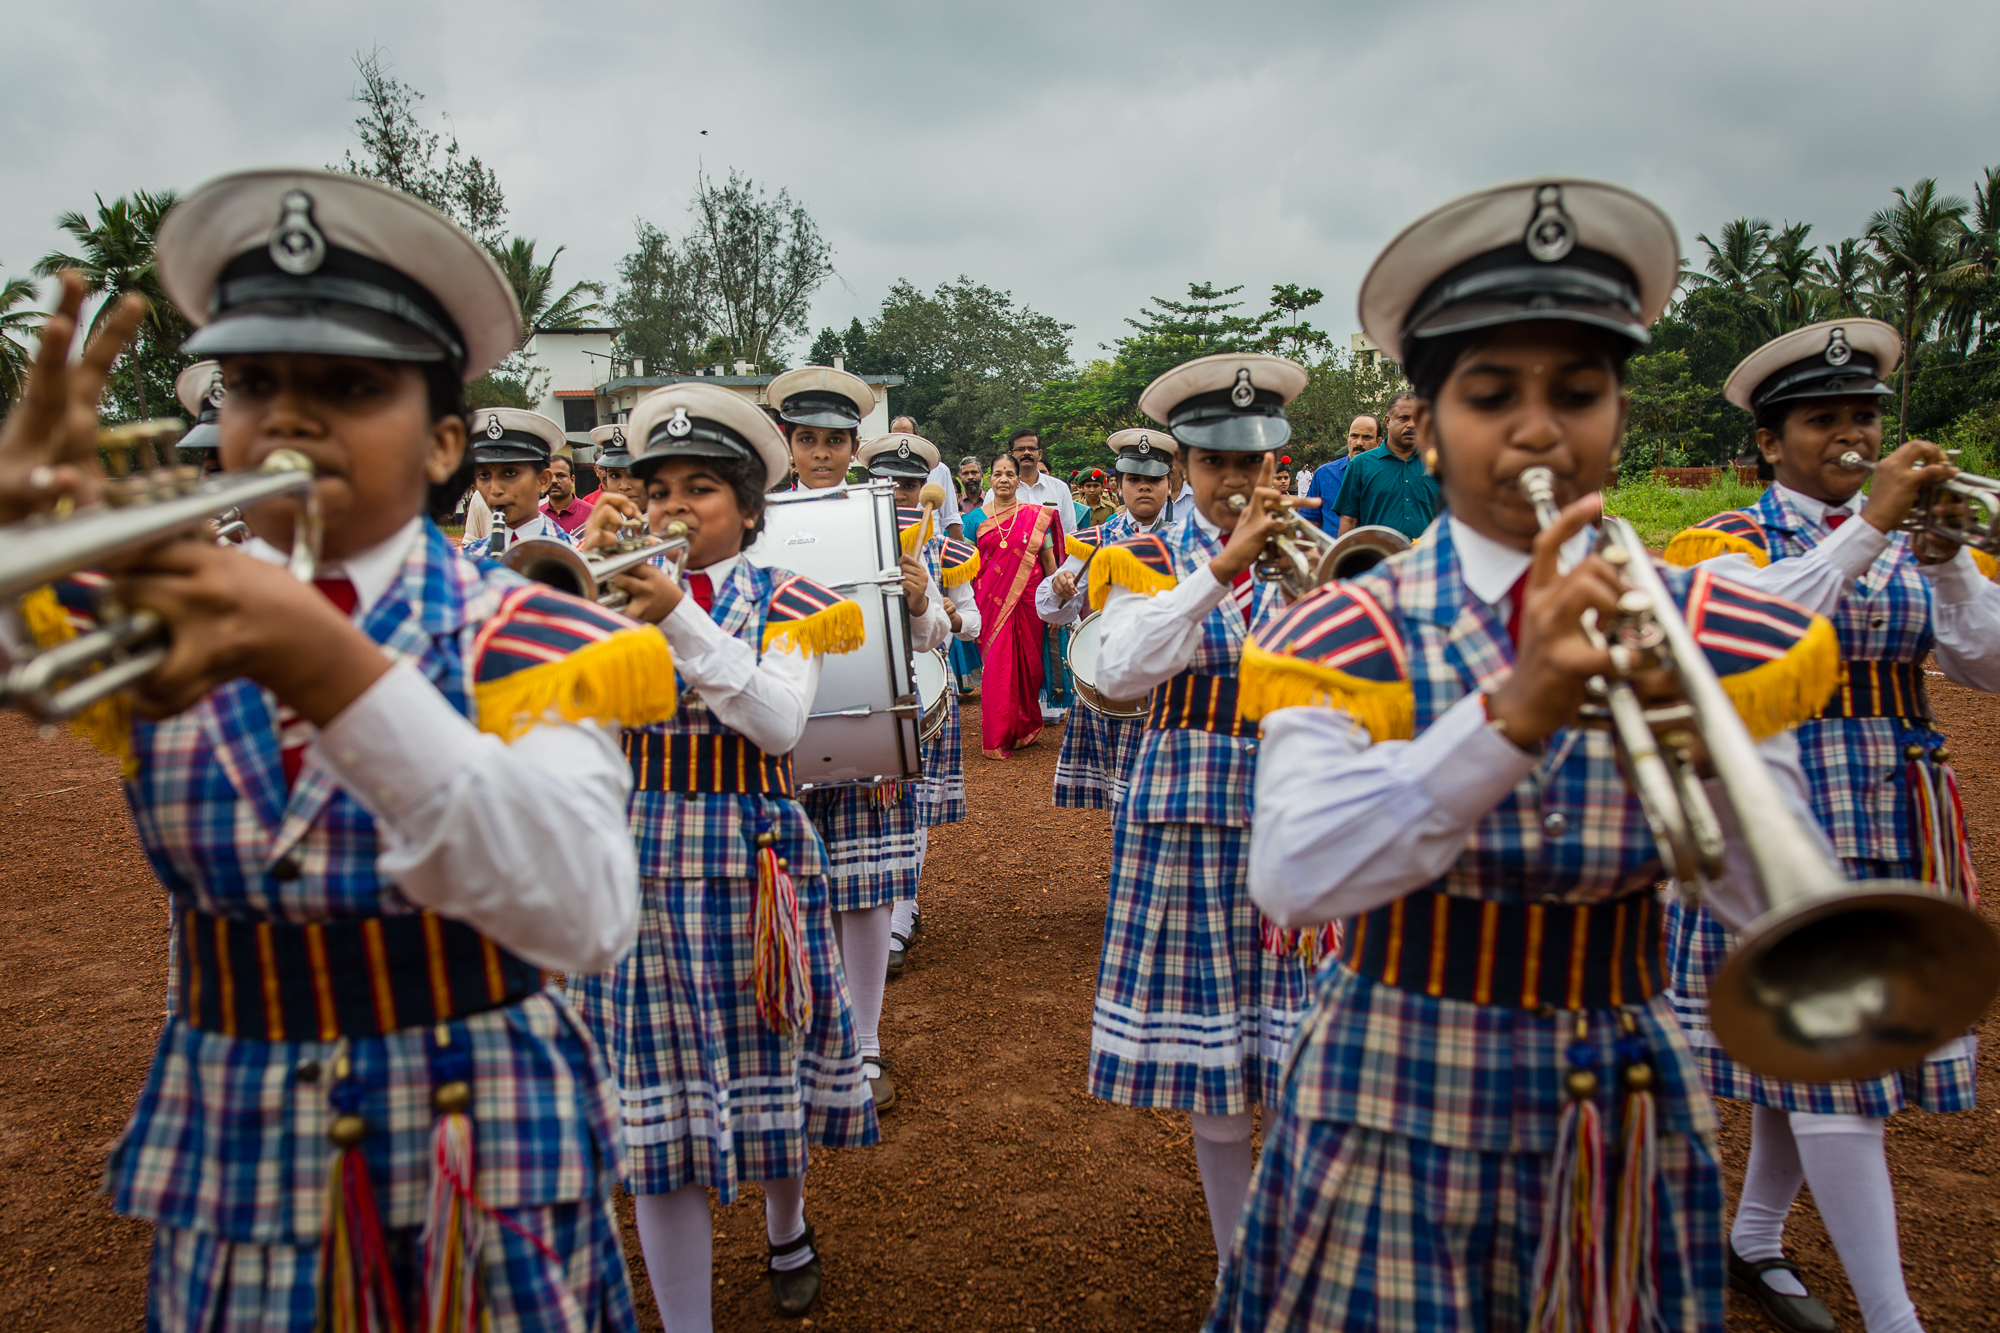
[
  {"x": 1362, "y": 352},
  {"x": 617, "y": 397}
]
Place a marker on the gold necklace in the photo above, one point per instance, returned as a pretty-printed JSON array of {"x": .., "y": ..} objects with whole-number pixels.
[{"x": 999, "y": 514}]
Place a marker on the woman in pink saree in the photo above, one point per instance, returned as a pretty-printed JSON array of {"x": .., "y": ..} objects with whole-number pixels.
[{"x": 1015, "y": 555}]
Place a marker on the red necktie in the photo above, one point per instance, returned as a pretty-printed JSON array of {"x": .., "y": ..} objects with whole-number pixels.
[
  {"x": 1837, "y": 517},
  {"x": 1517, "y": 597},
  {"x": 1242, "y": 592},
  {"x": 702, "y": 589},
  {"x": 294, "y": 732}
]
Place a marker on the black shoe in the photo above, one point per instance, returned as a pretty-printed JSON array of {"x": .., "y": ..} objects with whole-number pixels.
[
  {"x": 795, "y": 1289},
  {"x": 881, "y": 1090},
  {"x": 1796, "y": 1314},
  {"x": 899, "y": 953}
]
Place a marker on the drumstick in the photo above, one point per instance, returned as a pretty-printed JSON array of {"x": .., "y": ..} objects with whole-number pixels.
[{"x": 931, "y": 497}]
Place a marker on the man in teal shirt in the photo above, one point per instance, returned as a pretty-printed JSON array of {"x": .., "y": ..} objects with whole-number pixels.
[{"x": 1389, "y": 485}]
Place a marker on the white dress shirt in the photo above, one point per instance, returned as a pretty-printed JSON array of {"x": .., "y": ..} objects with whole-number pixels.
[
  {"x": 1046, "y": 490},
  {"x": 1149, "y": 640},
  {"x": 525, "y": 842},
  {"x": 968, "y": 612},
  {"x": 478, "y": 518},
  {"x": 1069, "y": 613},
  {"x": 764, "y": 699},
  {"x": 1344, "y": 826},
  {"x": 942, "y": 476},
  {"x": 541, "y": 525},
  {"x": 1965, "y": 604}
]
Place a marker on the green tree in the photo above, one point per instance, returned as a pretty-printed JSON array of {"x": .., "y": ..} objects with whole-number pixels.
[
  {"x": 1296, "y": 339},
  {"x": 760, "y": 258},
  {"x": 1666, "y": 425},
  {"x": 1972, "y": 297},
  {"x": 114, "y": 253},
  {"x": 1846, "y": 276},
  {"x": 1737, "y": 262},
  {"x": 658, "y": 306},
  {"x": 972, "y": 359},
  {"x": 1341, "y": 387},
  {"x": 535, "y": 286},
  {"x": 1791, "y": 293},
  {"x": 1916, "y": 241},
  {"x": 20, "y": 318},
  {"x": 399, "y": 152}
]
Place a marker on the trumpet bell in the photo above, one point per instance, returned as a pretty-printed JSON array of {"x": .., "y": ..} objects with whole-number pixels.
[
  {"x": 546, "y": 560},
  {"x": 1359, "y": 550},
  {"x": 1854, "y": 982}
]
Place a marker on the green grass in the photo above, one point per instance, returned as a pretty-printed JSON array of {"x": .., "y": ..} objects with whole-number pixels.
[{"x": 1658, "y": 512}]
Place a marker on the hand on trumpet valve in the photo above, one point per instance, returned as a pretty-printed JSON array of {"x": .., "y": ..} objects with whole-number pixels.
[
  {"x": 1261, "y": 515},
  {"x": 233, "y": 615},
  {"x": 651, "y": 593},
  {"x": 48, "y": 445},
  {"x": 1900, "y": 482},
  {"x": 611, "y": 519}
]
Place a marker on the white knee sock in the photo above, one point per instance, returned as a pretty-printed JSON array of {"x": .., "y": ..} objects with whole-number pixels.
[
  {"x": 1848, "y": 1170},
  {"x": 1222, "y": 1151},
  {"x": 1769, "y": 1185},
  {"x": 903, "y": 918},
  {"x": 864, "y": 954},
  {"x": 785, "y": 1220},
  {"x": 678, "y": 1242}
]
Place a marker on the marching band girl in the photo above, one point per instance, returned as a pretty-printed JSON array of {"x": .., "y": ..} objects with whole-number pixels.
[
  {"x": 1097, "y": 751},
  {"x": 728, "y": 1028},
  {"x": 873, "y": 835},
  {"x": 1491, "y": 1119},
  {"x": 1876, "y": 762},
  {"x": 511, "y": 449},
  {"x": 952, "y": 563},
  {"x": 366, "y": 1109},
  {"x": 1196, "y": 1000}
]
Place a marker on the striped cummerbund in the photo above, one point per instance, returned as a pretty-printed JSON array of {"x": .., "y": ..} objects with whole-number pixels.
[
  {"x": 344, "y": 977},
  {"x": 705, "y": 763},
  {"x": 1194, "y": 702},
  {"x": 1519, "y": 955},
  {"x": 1880, "y": 689}
]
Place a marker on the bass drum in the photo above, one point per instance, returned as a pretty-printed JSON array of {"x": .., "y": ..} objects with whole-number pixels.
[
  {"x": 864, "y": 725},
  {"x": 1084, "y": 644},
  {"x": 933, "y": 672}
]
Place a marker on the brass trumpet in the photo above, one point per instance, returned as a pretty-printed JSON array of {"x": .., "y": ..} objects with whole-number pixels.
[
  {"x": 56, "y": 683},
  {"x": 589, "y": 574},
  {"x": 1833, "y": 979},
  {"x": 1300, "y": 556},
  {"x": 1926, "y": 519}
]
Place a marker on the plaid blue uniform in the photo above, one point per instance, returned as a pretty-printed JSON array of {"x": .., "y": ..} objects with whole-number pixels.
[
  {"x": 1191, "y": 1013},
  {"x": 1857, "y": 781},
  {"x": 873, "y": 843},
  {"x": 1400, "y": 1185},
  {"x": 709, "y": 1094},
  {"x": 1094, "y": 765},
  {"x": 227, "y": 1150},
  {"x": 940, "y": 793}
]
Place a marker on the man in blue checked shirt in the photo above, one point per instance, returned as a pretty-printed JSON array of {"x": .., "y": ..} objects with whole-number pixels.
[{"x": 1363, "y": 434}]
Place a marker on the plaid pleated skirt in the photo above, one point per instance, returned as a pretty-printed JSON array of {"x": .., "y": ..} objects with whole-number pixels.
[
  {"x": 940, "y": 794},
  {"x": 1081, "y": 780},
  {"x": 199, "y": 1280},
  {"x": 1192, "y": 1014},
  {"x": 1352, "y": 1228},
  {"x": 872, "y": 853},
  {"x": 1696, "y": 946},
  {"x": 707, "y": 1093}
]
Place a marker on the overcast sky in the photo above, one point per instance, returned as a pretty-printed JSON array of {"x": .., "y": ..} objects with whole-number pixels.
[{"x": 1082, "y": 155}]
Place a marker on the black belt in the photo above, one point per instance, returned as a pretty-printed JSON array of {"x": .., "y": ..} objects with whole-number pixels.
[
  {"x": 1515, "y": 955},
  {"x": 706, "y": 762},
  {"x": 345, "y": 977},
  {"x": 1194, "y": 702},
  {"x": 1880, "y": 689}
]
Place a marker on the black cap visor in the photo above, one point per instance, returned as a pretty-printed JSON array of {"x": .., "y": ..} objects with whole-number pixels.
[
  {"x": 1246, "y": 434},
  {"x": 312, "y": 328},
  {"x": 202, "y": 435},
  {"x": 816, "y": 407},
  {"x": 1153, "y": 465},
  {"x": 1507, "y": 287},
  {"x": 614, "y": 456},
  {"x": 508, "y": 451},
  {"x": 1814, "y": 378},
  {"x": 704, "y": 439},
  {"x": 889, "y": 465}
]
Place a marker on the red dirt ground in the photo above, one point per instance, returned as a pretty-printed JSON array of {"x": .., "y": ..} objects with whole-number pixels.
[{"x": 1002, "y": 1196}]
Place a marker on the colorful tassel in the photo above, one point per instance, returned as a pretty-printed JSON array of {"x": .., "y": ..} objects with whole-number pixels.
[
  {"x": 1314, "y": 944},
  {"x": 1791, "y": 689},
  {"x": 784, "y": 990},
  {"x": 1635, "y": 1221},
  {"x": 1569, "y": 1292},
  {"x": 1937, "y": 819},
  {"x": 627, "y": 678},
  {"x": 357, "y": 1291},
  {"x": 454, "y": 1219},
  {"x": 1267, "y": 681}
]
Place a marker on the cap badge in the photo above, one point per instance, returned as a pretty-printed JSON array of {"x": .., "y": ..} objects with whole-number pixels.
[
  {"x": 1838, "y": 353},
  {"x": 1551, "y": 232},
  {"x": 680, "y": 427},
  {"x": 1145, "y": 444},
  {"x": 494, "y": 430},
  {"x": 216, "y": 393},
  {"x": 1244, "y": 393},
  {"x": 618, "y": 436},
  {"x": 296, "y": 245},
  {"x": 903, "y": 449}
]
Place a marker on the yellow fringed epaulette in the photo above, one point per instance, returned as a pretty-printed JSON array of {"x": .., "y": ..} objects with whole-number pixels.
[
  {"x": 1987, "y": 564},
  {"x": 106, "y": 724},
  {"x": 1142, "y": 564},
  {"x": 1732, "y": 532},
  {"x": 813, "y": 619},
  {"x": 546, "y": 654},
  {"x": 1779, "y": 662},
  {"x": 1267, "y": 681},
  {"x": 958, "y": 563},
  {"x": 1786, "y": 691}
]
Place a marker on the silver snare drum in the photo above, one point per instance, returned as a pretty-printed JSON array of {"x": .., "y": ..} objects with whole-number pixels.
[
  {"x": 933, "y": 672},
  {"x": 864, "y": 725},
  {"x": 1084, "y": 642}
]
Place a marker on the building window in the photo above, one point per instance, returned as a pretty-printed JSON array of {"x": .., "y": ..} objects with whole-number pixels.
[{"x": 579, "y": 415}]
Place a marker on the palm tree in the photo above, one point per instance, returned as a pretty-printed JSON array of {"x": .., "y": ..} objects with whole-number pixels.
[
  {"x": 15, "y": 324},
  {"x": 1972, "y": 298},
  {"x": 115, "y": 257},
  {"x": 1739, "y": 261},
  {"x": 1917, "y": 241},
  {"x": 534, "y": 286},
  {"x": 1791, "y": 298},
  {"x": 1845, "y": 274}
]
